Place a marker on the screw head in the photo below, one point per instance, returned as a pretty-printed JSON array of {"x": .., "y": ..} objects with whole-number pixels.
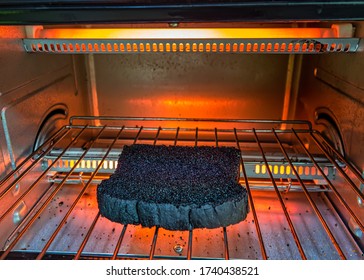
[
  {"x": 173, "y": 24},
  {"x": 178, "y": 248}
]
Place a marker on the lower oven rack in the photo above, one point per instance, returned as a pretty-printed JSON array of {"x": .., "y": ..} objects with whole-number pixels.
[{"x": 306, "y": 199}]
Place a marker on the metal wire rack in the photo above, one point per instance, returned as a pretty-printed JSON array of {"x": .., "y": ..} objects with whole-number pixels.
[{"x": 306, "y": 199}]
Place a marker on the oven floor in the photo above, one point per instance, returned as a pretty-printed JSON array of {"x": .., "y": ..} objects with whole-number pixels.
[{"x": 240, "y": 241}]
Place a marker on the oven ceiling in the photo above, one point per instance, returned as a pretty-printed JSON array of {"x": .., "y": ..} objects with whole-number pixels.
[{"x": 116, "y": 11}]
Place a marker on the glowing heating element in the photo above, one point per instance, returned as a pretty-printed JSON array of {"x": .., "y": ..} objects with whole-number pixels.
[
  {"x": 254, "y": 170},
  {"x": 338, "y": 38},
  {"x": 278, "y": 169},
  {"x": 187, "y": 33},
  {"x": 89, "y": 165}
]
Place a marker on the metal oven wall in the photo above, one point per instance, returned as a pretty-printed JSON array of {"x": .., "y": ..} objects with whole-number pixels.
[
  {"x": 32, "y": 89},
  {"x": 332, "y": 86},
  {"x": 191, "y": 85}
]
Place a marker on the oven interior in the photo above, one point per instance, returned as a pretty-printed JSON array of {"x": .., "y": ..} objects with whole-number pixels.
[{"x": 69, "y": 103}]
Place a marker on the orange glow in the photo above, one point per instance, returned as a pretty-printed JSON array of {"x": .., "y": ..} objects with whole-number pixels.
[
  {"x": 282, "y": 169},
  {"x": 186, "y": 33},
  {"x": 198, "y": 106},
  {"x": 89, "y": 164}
]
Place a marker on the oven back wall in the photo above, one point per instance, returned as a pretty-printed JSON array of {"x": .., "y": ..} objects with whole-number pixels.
[{"x": 191, "y": 85}]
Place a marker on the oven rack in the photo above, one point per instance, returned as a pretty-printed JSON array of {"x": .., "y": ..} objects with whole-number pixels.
[{"x": 335, "y": 236}]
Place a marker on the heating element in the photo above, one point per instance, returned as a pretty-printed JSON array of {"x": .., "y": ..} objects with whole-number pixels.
[
  {"x": 292, "y": 174},
  {"x": 189, "y": 39}
]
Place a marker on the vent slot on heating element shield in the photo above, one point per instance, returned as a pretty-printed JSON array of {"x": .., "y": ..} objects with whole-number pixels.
[{"x": 192, "y": 40}]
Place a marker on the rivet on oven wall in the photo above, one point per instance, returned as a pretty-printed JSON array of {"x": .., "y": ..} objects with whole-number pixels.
[
  {"x": 16, "y": 189},
  {"x": 355, "y": 229},
  {"x": 19, "y": 212},
  {"x": 361, "y": 188},
  {"x": 178, "y": 248}
]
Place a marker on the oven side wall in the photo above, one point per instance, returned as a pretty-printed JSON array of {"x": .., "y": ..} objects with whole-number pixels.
[
  {"x": 332, "y": 87},
  {"x": 33, "y": 89}
]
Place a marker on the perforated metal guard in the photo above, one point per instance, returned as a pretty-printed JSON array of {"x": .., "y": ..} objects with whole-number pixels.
[{"x": 291, "y": 45}]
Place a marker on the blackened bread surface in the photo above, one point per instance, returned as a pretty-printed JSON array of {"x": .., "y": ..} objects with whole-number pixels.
[{"x": 175, "y": 187}]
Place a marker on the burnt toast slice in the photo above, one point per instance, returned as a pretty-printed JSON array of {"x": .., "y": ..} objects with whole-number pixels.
[{"x": 175, "y": 187}]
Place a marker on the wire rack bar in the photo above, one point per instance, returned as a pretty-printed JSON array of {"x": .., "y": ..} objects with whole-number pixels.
[
  {"x": 176, "y": 138},
  {"x": 340, "y": 156},
  {"x": 343, "y": 173},
  {"x": 193, "y": 129},
  {"x": 120, "y": 240},
  {"x": 331, "y": 185},
  {"x": 39, "y": 152},
  {"x": 29, "y": 168},
  {"x": 189, "y": 244},
  {"x": 33, "y": 219},
  {"x": 39, "y": 177},
  {"x": 138, "y": 134},
  {"x": 87, "y": 237},
  {"x": 304, "y": 123},
  {"x": 62, "y": 223},
  {"x": 312, "y": 203},
  {"x": 154, "y": 243},
  {"x": 156, "y": 137},
  {"x": 216, "y": 138},
  {"x": 291, "y": 226},
  {"x": 226, "y": 245},
  {"x": 251, "y": 203}
]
